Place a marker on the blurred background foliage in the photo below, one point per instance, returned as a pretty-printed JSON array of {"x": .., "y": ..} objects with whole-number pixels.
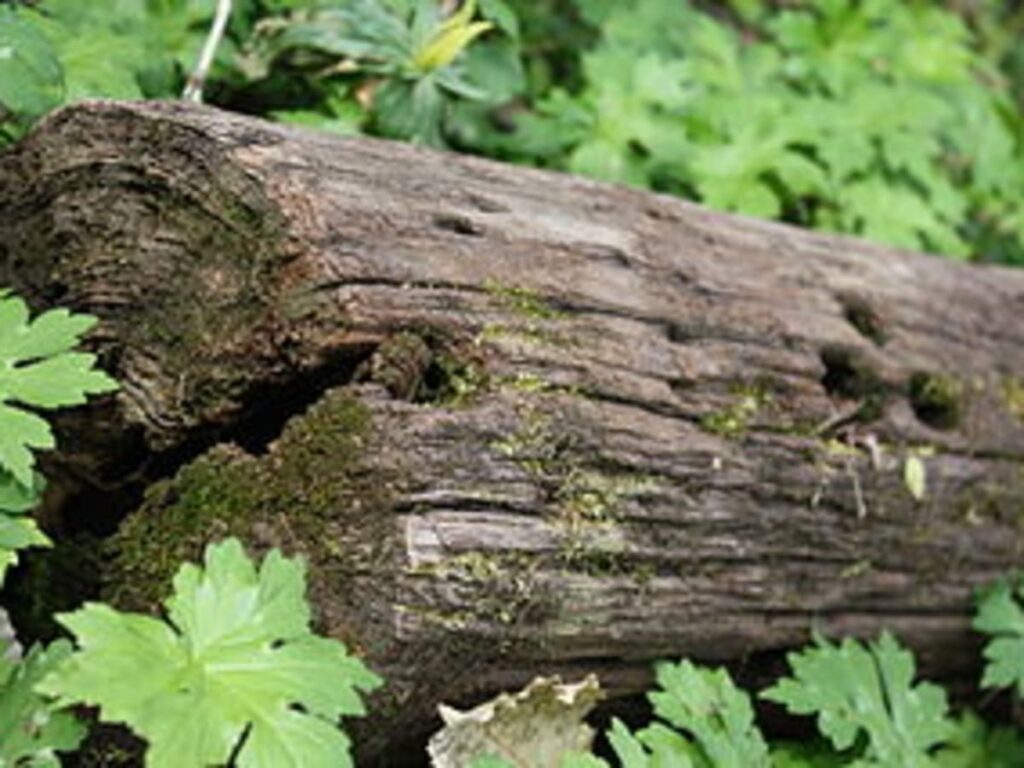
[{"x": 900, "y": 121}]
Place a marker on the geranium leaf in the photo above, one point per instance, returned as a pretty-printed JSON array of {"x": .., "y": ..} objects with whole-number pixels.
[
  {"x": 38, "y": 369},
  {"x": 31, "y": 730},
  {"x": 868, "y": 691},
  {"x": 1001, "y": 616},
  {"x": 237, "y": 659}
]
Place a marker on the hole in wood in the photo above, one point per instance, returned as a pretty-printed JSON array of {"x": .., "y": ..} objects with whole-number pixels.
[
  {"x": 936, "y": 399},
  {"x": 861, "y": 315},
  {"x": 460, "y": 225},
  {"x": 848, "y": 374},
  {"x": 678, "y": 334},
  {"x": 450, "y": 380}
]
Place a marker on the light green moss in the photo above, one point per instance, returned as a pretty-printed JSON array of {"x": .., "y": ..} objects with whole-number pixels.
[
  {"x": 996, "y": 499},
  {"x": 461, "y": 381},
  {"x": 586, "y": 502},
  {"x": 533, "y": 446},
  {"x": 732, "y": 421},
  {"x": 527, "y": 383},
  {"x": 1013, "y": 396},
  {"x": 400, "y": 363},
  {"x": 522, "y": 301},
  {"x": 530, "y": 332},
  {"x": 454, "y": 620},
  {"x": 589, "y": 495},
  {"x": 577, "y": 556},
  {"x": 428, "y": 367},
  {"x": 857, "y": 570},
  {"x": 536, "y": 317},
  {"x": 501, "y": 584}
]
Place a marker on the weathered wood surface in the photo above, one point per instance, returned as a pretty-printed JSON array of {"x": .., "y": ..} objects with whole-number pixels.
[{"x": 560, "y": 426}]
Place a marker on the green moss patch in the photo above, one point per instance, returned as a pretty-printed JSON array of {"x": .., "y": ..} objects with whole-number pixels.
[
  {"x": 733, "y": 420},
  {"x": 301, "y": 497},
  {"x": 937, "y": 400},
  {"x": 1013, "y": 396},
  {"x": 522, "y": 301},
  {"x": 534, "y": 319},
  {"x": 586, "y": 499}
]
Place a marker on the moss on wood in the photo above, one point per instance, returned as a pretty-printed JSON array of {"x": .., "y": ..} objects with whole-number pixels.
[{"x": 299, "y": 497}]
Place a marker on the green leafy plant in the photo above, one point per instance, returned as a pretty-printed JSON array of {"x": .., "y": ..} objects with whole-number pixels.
[
  {"x": 31, "y": 730},
  {"x": 1001, "y": 616},
  {"x": 868, "y": 708},
  {"x": 396, "y": 67},
  {"x": 789, "y": 115},
  {"x": 712, "y": 719},
  {"x": 38, "y": 371},
  {"x": 18, "y": 530},
  {"x": 404, "y": 58},
  {"x": 235, "y": 669},
  {"x": 865, "y": 695},
  {"x": 973, "y": 744},
  {"x": 31, "y": 78},
  {"x": 66, "y": 50}
]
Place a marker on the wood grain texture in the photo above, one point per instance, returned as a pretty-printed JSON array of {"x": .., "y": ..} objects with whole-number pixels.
[{"x": 596, "y": 426}]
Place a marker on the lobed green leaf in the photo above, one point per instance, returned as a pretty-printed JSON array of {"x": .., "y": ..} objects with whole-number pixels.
[
  {"x": 237, "y": 659},
  {"x": 1001, "y": 616},
  {"x": 867, "y": 691}
]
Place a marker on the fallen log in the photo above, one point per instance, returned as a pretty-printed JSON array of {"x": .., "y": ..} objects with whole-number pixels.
[{"x": 518, "y": 422}]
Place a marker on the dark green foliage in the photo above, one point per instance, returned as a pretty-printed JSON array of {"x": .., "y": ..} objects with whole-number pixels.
[
  {"x": 886, "y": 119},
  {"x": 31, "y": 730},
  {"x": 870, "y": 713},
  {"x": 31, "y": 79},
  {"x": 1001, "y": 617},
  {"x": 897, "y": 121},
  {"x": 394, "y": 67}
]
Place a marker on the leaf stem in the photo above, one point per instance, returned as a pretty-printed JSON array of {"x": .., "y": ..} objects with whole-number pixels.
[{"x": 196, "y": 81}]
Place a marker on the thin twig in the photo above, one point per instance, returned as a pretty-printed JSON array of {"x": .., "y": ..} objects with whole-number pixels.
[
  {"x": 196, "y": 81},
  {"x": 9, "y": 646},
  {"x": 839, "y": 419},
  {"x": 858, "y": 492}
]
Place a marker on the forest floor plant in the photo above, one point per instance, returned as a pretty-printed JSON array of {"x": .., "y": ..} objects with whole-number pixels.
[{"x": 869, "y": 712}]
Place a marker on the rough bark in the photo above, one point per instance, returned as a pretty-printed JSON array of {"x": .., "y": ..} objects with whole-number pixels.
[{"x": 553, "y": 425}]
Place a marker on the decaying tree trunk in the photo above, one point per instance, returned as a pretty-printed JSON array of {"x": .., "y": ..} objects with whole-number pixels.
[{"x": 518, "y": 422}]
